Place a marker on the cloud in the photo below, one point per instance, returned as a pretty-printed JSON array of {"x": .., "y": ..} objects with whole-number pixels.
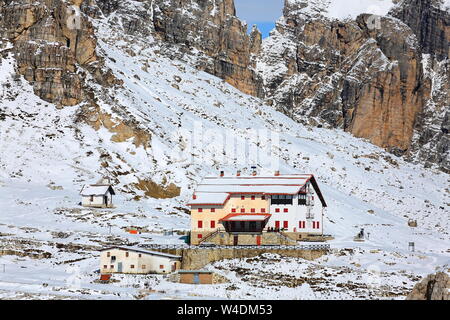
[{"x": 259, "y": 10}]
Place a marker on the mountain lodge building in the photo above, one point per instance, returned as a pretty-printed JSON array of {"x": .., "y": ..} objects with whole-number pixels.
[{"x": 256, "y": 210}]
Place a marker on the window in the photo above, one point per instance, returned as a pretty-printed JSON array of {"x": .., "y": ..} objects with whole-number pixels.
[
  {"x": 200, "y": 224},
  {"x": 285, "y": 224},
  {"x": 317, "y": 225},
  {"x": 92, "y": 199},
  {"x": 105, "y": 266},
  {"x": 161, "y": 266},
  {"x": 302, "y": 199},
  {"x": 252, "y": 210},
  {"x": 242, "y": 210},
  {"x": 242, "y": 197},
  {"x": 277, "y": 224},
  {"x": 144, "y": 266},
  {"x": 285, "y": 210},
  {"x": 277, "y": 210},
  {"x": 301, "y": 224},
  {"x": 263, "y": 210},
  {"x": 233, "y": 210},
  {"x": 132, "y": 266},
  {"x": 263, "y": 197},
  {"x": 282, "y": 199},
  {"x": 112, "y": 266},
  {"x": 127, "y": 254},
  {"x": 140, "y": 255},
  {"x": 213, "y": 224},
  {"x": 200, "y": 209},
  {"x": 213, "y": 209},
  {"x": 108, "y": 254},
  {"x": 253, "y": 198},
  {"x": 199, "y": 236}
]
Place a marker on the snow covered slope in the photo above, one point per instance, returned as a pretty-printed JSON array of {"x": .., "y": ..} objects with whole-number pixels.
[
  {"x": 341, "y": 10},
  {"x": 196, "y": 123}
]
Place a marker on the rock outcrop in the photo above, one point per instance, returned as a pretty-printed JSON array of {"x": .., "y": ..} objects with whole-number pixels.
[
  {"x": 431, "y": 140},
  {"x": 431, "y": 24},
  {"x": 212, "y": 28},
  {"x": 433, "y": 287},
  {"x": 353, "y": 75},
  {"x": 206, "y": 30},
  {"x": 367, "y": 76},
  {"x": 52, "y": 39}
]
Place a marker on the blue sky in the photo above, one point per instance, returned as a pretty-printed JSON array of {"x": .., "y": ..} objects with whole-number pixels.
[{"x": 263, "y": 13}]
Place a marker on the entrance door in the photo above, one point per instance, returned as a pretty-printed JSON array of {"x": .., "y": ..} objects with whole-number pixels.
[
  {"x": 235, "y": 240},
  {"x": 258, "y": 240},
  {"x": 105, "y": 200},
  {"x": 119, "y": 267}
]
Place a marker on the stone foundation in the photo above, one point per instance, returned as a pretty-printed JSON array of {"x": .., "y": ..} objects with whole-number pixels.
[{"x": 196, "y": 259}]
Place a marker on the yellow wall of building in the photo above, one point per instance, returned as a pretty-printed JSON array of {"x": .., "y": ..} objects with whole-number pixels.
[{"x": 207, "y": 216}]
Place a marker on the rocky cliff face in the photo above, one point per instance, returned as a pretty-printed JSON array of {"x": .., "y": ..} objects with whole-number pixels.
[
  {"x": 51, "y": 42},
  {"x": 433, "y": 287},
  {"x": 212, "y": 28},
  {"x": 365, "y": 80},
  {"x": 366, "y": 75},
  {"x": 207, "y": 33},
  {"x": 431, "y": 24},
  {"x": 380, "y": 78}
]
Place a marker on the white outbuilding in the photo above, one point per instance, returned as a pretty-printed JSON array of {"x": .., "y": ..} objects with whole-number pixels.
[
  {"x": 97, "y": 195},
  {"x": 136, "y": 260}
]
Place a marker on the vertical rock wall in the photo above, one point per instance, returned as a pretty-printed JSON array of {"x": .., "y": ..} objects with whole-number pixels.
[{"x": 51, "y": 40}]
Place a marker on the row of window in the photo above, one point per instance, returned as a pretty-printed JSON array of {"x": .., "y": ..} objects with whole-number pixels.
[
  {"x": 200, "y": 224},
  {"x": 253, "y": 197},
  {"x": 132, "y": 266},
  {"x": 252, "y": 210},
  {"x": 289, "y": 200},
  {"x": 127, "y": 254},
  {"x": 282, "y": 196},
  {"x": 276, "y": 200},
  {"x": 234, "y": 210},
  {"x": 301, "y": 224}
]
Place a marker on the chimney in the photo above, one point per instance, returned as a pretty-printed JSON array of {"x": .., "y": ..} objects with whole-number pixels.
[
  {"x": 238, "y": 173},
  {"x": 277, "y": 173},
  {"x": 222, "y": 173}
]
